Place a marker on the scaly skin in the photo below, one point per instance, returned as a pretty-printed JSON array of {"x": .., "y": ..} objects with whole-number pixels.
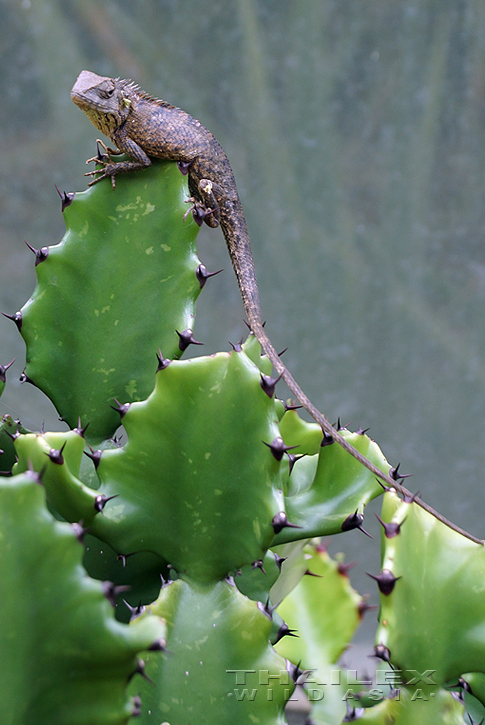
[{"x": 142, "y": 127}]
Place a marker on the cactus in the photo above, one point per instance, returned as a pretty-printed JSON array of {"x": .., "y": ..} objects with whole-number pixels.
[{"x": 201, "y": 517}]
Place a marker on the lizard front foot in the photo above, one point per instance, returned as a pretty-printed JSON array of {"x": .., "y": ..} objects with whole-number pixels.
[{"x": 103, "y": 158}]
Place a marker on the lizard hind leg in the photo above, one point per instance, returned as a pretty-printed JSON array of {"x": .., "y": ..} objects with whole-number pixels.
[{"x": 207, "y": 195}]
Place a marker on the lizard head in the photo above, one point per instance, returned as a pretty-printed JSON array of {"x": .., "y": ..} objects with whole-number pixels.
[{"x": 104, "y": 100}]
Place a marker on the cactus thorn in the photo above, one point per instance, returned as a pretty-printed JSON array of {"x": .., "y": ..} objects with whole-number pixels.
[
  {"x": 101, "y": 501},
  {"x": 364, "y": 606},
  {"x": 278, "y": 447},
  {"x": 279, "y": 560},
  {"x": 124, "y": 557},
  {"x": 111, "y": 591},
  {"x": 160, "y": 645},
  {"x": 386, "y": 488},
  {"x": 361, "y": 431},
  {"x": 40, "y": 254},
  {"x": 140, "y": 670},
  {"x": 120, "y": 408},
  {"x": 345, "y": 568},
  {"x": 291, "y": 406},
  {"x": 4, "y": 368},
  {"x": 391, "y": 529},
  {"x": 95, "y": 456},
  {"x": 383, "y": 653},
  {"x": 17, "y": 318},
  {"x": 269, "y": 384},
  {"x": 25, "y": 379},
  {"x": 385, "y": 581},
  {"x": 136, "y": 712},
  {"x": 116, "y": 440},
  {"x": 354, "y": 521},
  {"x": 66, "y": 197},
  {"x": 395, "y": 475},
  {"x": 353, "y": 713},
  {"x": 327, "y": 440},
  {"x": 15, "y": 435},
  {"x": 258, "y": 564},
  {"x": 135, "y": 611},
  {"x": 79, "y": 531},
  {"x": 80, "y": 430},
  {"x": 56, "y": 455},
  {"x": 312, "y": 573},
  {"x": 280, "y": 522},
  {"x": 33, "y": 474},
  {"x": 203, "y": 274},
  {"x": 184, "y": 166},
  {"x": 298, "y": 675},
  {"x": 186, "y": 338},
  {"x": 285, "y": 631},
  {"x": 338, "y": 425},
  {"x": 410, "y": 497},
  {"x": 293, "y": 459},
  {"x": 237, "y": 347},
  {"x": 162, "y": 361}
]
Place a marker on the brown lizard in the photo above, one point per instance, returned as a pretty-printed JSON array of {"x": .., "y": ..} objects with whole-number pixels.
[{"x": 143, "y": 127}]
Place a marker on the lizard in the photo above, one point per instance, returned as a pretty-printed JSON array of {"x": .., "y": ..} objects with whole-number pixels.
[{"x": 144, "y": 127}]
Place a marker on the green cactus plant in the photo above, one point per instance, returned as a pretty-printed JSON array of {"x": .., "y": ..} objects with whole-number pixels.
[{"x": 205, "y": 511}]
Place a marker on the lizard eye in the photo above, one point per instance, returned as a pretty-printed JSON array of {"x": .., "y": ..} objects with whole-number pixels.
[{"x": 106, "y": 93}]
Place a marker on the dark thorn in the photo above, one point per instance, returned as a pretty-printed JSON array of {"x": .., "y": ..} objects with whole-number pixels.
[
  {"x": 291, "y": 406},
  {"x": 122, "y": 409},
  {"x": 410, "y": 497},
  {"x": 362, "y": 431},
  {"x": 17, "y": 318},
  {"x": 56, "y": 455},
  {"x": 79, "y": 531},
  {"x": 23, "y": 378},
  {"x": 186, "y": 338},
  {"x": 4, "y": 368},
  {"x": 136, "y": 712},
  {"x": 382, "y": 653},
  {"x": 298, "y": 675},
  {"x": 162, "y": 361},
  {"x": 353, "y": 713},
  {"x": 386, "y": 488},
  {"x": 111, "y": 591},
  {"x": 101, "y": 501},
  {"x": 385, "y": 581},
  {"x": 391, "y": 529},
  {"x": 284, "y": 631},
  {"x": 140, "y": 670},
  {"x": 184, "y": 166},
  {"x": 292, "y": 460},
  {"x": 396, "y": 476},
  {"x": 354, "y": 521},
  {"x": 95, "y": 456},
  {"x": 237, "y": 347},
  {"x": 311, "y": 573},
  {"x": 15, "y": 435},
  {"x": 124, "y": 557},
  {"x": 135, "y": 611},
  {"x": 338, "y": 425},
  {"x": 266, "y": 609},
  {"x": 160, "y": 645},
  {"x": 203, "y": 275},
  {"x": 279, "y": 560},
  {"x": 282, "y": 352},
  {"x": 269, "y": 384},
  {"x": 80, "y": 430},
  {"x": 66, "y": 197},
  {"x": 278, "y": 447},
  {"x": 327, "y": 440},
  {"x": 40, "y": 254},
  {"x": 280, "y": 522},
  {"x": 345, "y": 568},
  {"x": 116, "y": 440},
  {"x": 364, "y": 606},
  {"x": 258, "y": 564}
]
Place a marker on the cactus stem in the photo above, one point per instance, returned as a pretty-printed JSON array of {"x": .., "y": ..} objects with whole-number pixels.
[
  {"x": 278, "y": 447},
  {"x": 66, "y": 197},
  {"x": 203, "y": 274},
  {"x": 17, "y": 318},
  {"x": 95, "y": 456},
  {"x": 258, "y": 564},
  {"x": 391, "y": 529},
  {"x": 163, "y": 362},
  {"x": 354, "y": 521},
  {"x": 101, "y": 501},
  {"x": 268, "y": 384},
  {"x": 186, "y": 338},
  {"x": 280, "y": 522},
  {"x": 56, "y": 455},
  {"x": 40, "y": 254},
  {"x": 385, "y": 581},
  {"x": 120, "y": 408}
]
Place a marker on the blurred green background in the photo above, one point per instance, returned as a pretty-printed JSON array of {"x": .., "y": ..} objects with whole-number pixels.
[{"x": 356, "y": 133}]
